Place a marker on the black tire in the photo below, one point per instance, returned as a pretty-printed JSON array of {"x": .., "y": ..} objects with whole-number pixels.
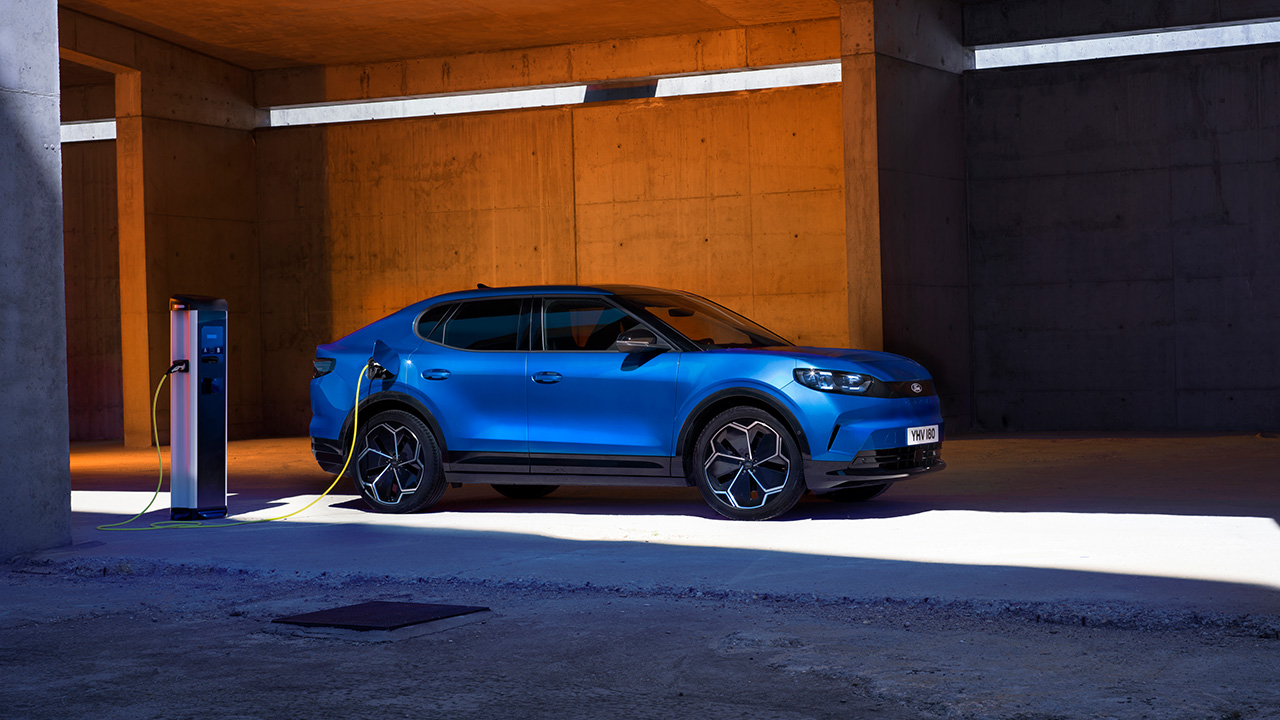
[
  {"x": 747, "y": 465},
  {"x": 397, "y": 464},
  {"x": 856, "y": 494},
  {"x": 525, "y": 492}
]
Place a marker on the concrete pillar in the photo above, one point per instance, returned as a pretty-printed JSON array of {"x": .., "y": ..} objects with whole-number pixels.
[
  {"x": 36, "y": 481},
  {"x": 905, "y": 188}
]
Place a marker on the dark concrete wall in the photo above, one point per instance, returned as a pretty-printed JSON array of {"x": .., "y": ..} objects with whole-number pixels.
[
  {"x": 1124, "y": 252},
  {"x": 1008, "y": 21},
  {"x": 92, "y": 252},
  {"x": 35, "y": 482}
]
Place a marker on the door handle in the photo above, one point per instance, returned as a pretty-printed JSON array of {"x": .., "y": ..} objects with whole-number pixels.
[
  {"x": 436, "y": 374},
  {"x": 547, "y": 378}
]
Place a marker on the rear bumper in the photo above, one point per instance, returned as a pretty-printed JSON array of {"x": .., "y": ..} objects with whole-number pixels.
[
  {"x": 873, "y": 467},
  {"x": 329, "y": 454}
]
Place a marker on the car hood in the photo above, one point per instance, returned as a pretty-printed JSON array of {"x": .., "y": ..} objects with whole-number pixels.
[{"x": 883, "y": 365}]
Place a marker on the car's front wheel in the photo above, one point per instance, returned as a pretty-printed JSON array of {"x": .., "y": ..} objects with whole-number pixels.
[
  {"x": 398, "y": 464},
  {"x": 747, "y": 465}
]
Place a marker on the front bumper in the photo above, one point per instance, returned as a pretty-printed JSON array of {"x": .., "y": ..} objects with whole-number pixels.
[{"x": 873, "y": 467}]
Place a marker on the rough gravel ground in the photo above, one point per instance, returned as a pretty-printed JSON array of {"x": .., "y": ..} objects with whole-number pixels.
[{"x": 119, "y": 639}]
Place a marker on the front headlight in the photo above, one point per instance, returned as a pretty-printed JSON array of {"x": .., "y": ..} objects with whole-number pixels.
[{"x": 834, "y": 381}]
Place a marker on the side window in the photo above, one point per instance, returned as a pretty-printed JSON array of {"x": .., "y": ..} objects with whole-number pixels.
[
  {"x": 583, "y": 324},
  {"x": 484, "y": 325},
  {"x": 429, "y": 321}
]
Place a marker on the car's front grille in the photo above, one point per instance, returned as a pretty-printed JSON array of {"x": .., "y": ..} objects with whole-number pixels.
[
  {"x": 901, "y": 389},
  {"x": 914, "y": 457}
]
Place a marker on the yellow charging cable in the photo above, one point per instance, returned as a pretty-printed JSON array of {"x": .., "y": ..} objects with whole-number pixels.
[{"x": 193, "y": 524}]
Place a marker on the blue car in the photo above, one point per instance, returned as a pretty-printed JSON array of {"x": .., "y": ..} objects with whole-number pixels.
[{"x": 531, "y": 388}]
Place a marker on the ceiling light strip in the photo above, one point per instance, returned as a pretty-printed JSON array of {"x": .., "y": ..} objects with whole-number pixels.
[
  {"x": 1200, "y": 38},
  {"x": 88, "y": 131},
  {"x": 733, "y": 81}
]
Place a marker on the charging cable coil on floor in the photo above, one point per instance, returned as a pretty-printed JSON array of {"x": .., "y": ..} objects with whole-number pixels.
[{"x": 181, "y": 366}]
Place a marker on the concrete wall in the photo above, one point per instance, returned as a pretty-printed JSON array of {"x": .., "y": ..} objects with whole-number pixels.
[
  {"x": 738, "y": 197},
  {"x": 88, "y": 102},
  {"x": 611, "y": 60},
  {"x": 360, "y": 220},
  {"x": 187, "y": 212},
  {"x": 36, "y": 512},
  {"x": 92, "y": 261},
  {"x": 1123, "y": 219},
  {"x": 904, "y": 168},
  {"x": 1000, "y": 21},
  {"x": 201, "y": 239}
]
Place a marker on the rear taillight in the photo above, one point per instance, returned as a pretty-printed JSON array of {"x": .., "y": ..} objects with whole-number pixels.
[{"x": 324, "y": 366}]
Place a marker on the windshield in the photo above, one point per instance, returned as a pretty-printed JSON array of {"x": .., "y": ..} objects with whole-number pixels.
[{"x": 705, "y": 323}]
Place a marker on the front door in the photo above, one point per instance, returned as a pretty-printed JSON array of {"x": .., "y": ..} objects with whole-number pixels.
[{"x": 592, "y": 408}]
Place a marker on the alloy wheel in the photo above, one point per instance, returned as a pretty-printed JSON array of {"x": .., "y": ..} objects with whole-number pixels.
[
  {"x": 746, "y": 464},
  {"x": 391, "y": 466}
]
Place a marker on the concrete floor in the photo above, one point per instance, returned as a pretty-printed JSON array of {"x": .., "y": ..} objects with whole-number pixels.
[
  {"x": 1176, "y": 522},
  {"x": 1062, "y": 577}
]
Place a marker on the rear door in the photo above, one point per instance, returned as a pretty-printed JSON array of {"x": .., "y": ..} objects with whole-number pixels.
[{"x": 473, "y": 372}]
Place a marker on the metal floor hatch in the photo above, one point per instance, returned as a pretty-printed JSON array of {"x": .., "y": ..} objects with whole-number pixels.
[{"x": 378, "y": 615}]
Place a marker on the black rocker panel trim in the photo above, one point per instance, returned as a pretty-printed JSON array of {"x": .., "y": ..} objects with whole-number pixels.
[
  {"x": 465, "y": 478},
  {"x": 557, "y": 464}
]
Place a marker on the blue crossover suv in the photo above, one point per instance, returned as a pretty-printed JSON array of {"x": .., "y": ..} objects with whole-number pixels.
[{"x": 530, "y": 388}]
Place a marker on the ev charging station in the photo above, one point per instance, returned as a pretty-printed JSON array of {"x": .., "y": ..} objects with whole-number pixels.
[{"x": 198, "y": 408}]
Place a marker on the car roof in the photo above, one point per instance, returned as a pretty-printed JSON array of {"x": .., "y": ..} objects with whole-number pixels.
[{"x": 522, "y": 290}]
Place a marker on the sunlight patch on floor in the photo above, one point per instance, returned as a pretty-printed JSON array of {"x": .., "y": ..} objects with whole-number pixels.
[{"x": 1224, "y": 549}]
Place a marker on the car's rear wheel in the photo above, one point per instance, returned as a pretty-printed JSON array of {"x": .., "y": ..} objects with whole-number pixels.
[
  {"x": 856, "y": 494},
  {"x": 525, "y": 492},
  {"x": 747, "y": 465},
  {"x": 397, "y": 464}
]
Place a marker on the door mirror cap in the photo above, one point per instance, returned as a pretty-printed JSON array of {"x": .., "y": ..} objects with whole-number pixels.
[{"x": 638, "y": 340}]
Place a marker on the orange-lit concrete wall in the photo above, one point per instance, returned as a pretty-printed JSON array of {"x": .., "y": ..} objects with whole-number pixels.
[
  {"x": 360, "y": 220},
  {"x": 737, "y": 197},
  {"x": 611, "y": 60},
  {"x": 187, "y": 213},
  {"x": 202, "y": 239},
  {"x": 91, "y": 253}
]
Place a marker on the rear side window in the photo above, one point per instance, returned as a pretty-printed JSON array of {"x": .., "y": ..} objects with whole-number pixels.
[
  {"x": 429, "y": 322},
  {"x": 484, "y": 325}
]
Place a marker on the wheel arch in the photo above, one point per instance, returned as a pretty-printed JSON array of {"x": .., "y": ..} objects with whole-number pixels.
[
  {"x": 722, "y": 400},
  {"x": 394, "y": 400}
]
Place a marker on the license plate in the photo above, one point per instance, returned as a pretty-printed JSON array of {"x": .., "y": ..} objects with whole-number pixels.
[{"x": 923, "y": 434}]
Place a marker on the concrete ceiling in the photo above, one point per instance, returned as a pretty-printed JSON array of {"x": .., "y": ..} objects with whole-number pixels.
[{"x": 265, "y": 34}]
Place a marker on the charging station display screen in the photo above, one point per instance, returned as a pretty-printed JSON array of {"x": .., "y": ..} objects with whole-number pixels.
[{"x": 212, "y": 339}]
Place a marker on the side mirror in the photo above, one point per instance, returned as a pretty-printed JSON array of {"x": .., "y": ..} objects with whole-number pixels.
[{"x": 638, "y": 340}]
